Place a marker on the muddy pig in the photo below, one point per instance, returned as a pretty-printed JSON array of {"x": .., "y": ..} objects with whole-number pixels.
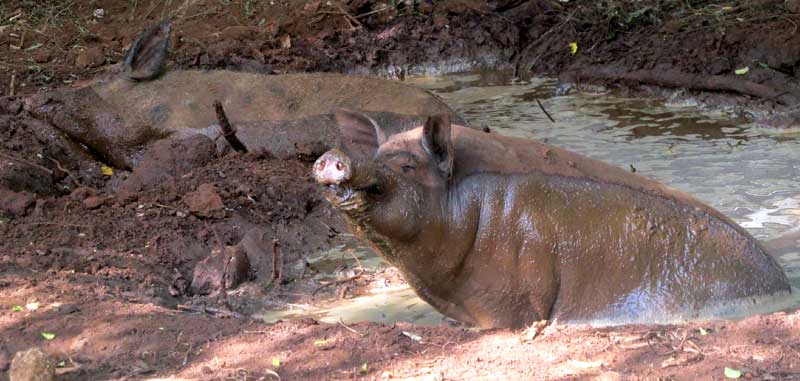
[
  {"x": 116, "y": 115},
  {"x": 501, "y": 232}
]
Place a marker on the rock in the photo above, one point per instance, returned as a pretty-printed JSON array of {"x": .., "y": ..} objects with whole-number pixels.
[
  {"x": 205, "y": 201},
  {"x": 91, "y": 57},
  {"x": 15, "y": 204},
  {"x": 32, "y": 365},
  {"x": 82, "y": 193},
  {"x": 42, "y": 56},
  {"x": 93, "y": 202},
  {"x": 258, "y": 246},
  {"x": 208, "y": 274}
]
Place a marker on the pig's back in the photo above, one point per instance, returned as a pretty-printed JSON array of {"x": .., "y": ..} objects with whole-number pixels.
[{"x": 479, "y": 152}]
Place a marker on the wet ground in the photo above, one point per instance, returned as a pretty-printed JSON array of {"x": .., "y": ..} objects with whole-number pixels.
[{"x": 122, "y": 279}]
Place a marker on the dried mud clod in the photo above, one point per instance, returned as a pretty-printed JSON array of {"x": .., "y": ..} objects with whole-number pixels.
[{"x": 32, "y": 365}]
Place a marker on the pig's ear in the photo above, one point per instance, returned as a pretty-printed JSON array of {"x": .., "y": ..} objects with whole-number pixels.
[
  {"x": 358, "y": 129},
  {"x": 437, "y": 142},
  {"x": 148, "y": 54}
]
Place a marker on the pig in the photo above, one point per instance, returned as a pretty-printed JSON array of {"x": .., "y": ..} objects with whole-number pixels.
[
  {"x": 117, "y": 116},
  {"x": 502, "y": 232}
]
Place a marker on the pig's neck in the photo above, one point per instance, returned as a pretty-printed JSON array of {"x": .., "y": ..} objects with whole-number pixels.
[{"x": 417, "y": 257}]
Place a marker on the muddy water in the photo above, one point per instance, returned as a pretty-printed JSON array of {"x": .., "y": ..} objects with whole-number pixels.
[{"x": 752, "y": 175}]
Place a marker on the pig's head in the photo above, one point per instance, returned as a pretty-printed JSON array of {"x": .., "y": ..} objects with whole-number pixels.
[{"x": 398, "y": 193}]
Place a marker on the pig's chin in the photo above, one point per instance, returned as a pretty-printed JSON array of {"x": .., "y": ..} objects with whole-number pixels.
[{"x": 350, "y": 199}]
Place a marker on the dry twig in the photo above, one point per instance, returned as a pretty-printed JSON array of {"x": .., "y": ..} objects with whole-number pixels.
[
  {"x": 227, "y": 129},
  {"x": 26, "y": 162},
  {"x": 545, "y": 111}
]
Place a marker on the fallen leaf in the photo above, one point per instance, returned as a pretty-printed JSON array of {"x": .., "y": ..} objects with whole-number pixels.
[
  {"x": 320, "y": 342},
  {"x": 703, "y": 332},
  {"x": 742, "y": 71},
  {"x": 573, "y": 48},
  {"x": 32, "y": 306},
  {"x": 364, "y": 368},
  {"x": 61, "y": 364},
  {"x": 412, "y": 336},
  {"x": 35, "y": 46},
  {"x": 732, "y": 373},
  {"x": 106, "y": 170},
  {"x": 48, "y": 335},
  {"x": 276, "y": 362}
]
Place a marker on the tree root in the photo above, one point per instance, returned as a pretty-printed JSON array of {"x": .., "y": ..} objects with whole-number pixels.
[{"x": 676, "y": 79}]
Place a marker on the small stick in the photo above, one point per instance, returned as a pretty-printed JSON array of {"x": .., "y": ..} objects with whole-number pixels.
[
  {"x": 347, "y": 15},
  {"x": 545, "y": 111},
  {"x": 152, "y": 8},
  {"x": 348, "y": 328},
  {"x": 23, "y": 161},
  {"x": 227, "y": 129},
  {"x": 13, "y": 85},
  {"x": 69, "y": 174},
  {"x": 133, "y": 11},
  {"x": 276, "y": 272},
  {"x": 384, "y": 9},
  {"x": 186, "y": 358}
]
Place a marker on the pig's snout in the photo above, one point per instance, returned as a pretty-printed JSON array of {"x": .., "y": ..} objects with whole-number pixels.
[{"x": 332, "y": 168}]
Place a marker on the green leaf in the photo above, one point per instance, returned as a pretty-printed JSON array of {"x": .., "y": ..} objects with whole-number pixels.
[
  {"x": 573, "y": 48},
  {"x": 732, "y": 373},
  {"x": 35, "y": 46},
  {"x": 276, "y": 362},
  {"x": 48, "y": 335},
  {"x": 17, "y": 308},
  {"x": 61, "y": 364},
  {"x": 742, "y": 71},
  {"x": 763, "y": 65}
]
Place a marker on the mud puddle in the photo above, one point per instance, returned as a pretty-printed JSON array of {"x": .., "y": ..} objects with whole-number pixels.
[{"x": 749, "y": 174}]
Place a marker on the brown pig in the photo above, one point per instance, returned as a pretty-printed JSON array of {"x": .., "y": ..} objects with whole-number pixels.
[
  {"x": 502, "y": 232},
  {"x": 116, "y": 116}
]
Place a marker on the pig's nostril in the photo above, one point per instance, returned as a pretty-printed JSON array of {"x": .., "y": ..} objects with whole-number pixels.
[
  {"x": 321, "y": 165},
  {"x": 339, "y": 165}
]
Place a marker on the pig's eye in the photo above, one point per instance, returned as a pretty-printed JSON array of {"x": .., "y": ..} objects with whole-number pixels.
[{"x": 407, "y": 168}]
